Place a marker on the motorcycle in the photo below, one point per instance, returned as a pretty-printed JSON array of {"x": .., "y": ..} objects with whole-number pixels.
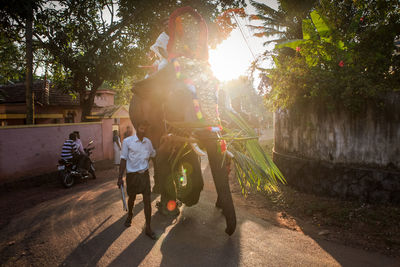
[{"x": 68, "y": 171}]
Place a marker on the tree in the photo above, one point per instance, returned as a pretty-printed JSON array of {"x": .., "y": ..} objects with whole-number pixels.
[
  {"x": 282, "y": 24},
  {"x": 12, "y": 67},
  {"x": 23, "y": 15},
  {"x": 89, "y": 42},
  {"x": 346, "y": 57},
  {"x": 91, "y": 50},
  {"x": 278, "y": 26}
]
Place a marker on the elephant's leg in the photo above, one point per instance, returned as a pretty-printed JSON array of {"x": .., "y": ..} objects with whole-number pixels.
[
  {"x": 195, "y": 185},
  {"x": 165, "y": 181},
  {"x": 220, "y": 176}
]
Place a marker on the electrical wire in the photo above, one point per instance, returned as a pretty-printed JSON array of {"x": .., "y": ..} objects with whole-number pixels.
[{"x": 244, "y": 37}]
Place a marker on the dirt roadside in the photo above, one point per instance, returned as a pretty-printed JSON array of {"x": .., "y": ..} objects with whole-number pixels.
[{"x": 361, "y": 225}]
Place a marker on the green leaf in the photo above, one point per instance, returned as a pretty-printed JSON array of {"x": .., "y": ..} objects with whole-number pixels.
[
  {"x": 324, "y": 31},
  {"x": 308, "y": 29},
  {"x": 291, "y": 44}
]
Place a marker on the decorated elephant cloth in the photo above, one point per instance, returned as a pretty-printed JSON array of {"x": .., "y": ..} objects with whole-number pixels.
[{"x": 200, "y": 81}]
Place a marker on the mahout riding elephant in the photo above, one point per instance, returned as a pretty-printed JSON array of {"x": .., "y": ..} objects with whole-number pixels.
[
  {"x": 180, "y": 104},
  {"x": 164, "y": 99}
]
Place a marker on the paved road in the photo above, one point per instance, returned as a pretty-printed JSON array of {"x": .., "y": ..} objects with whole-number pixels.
[{"x": 85, "y": 228}]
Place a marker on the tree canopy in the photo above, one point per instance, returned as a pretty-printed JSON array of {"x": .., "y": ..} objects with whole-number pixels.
[
  {"x": 345, "y": 57},
  {"x": 85, "y": 43}
]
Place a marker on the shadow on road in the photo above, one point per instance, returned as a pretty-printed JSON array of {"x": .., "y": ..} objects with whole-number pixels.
[
  {"x": 200, "y": 240},
  {"x": 91, "y": 250},
  {"x": 135, "y": 253}
]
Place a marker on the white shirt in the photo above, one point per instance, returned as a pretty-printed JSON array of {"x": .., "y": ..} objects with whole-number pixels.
[
  {"x": 137, "y": 153},
  {"x": 162, "y": 41},
  {"x": 79, "y": 146}
]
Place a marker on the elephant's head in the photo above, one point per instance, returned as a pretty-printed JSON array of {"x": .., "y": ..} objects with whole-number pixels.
[{"x": 161, "y": 96}]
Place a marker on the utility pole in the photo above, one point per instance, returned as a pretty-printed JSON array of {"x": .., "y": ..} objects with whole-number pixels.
[{"x": 29, "y": 65}]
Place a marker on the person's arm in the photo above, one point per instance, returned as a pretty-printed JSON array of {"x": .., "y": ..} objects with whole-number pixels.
[
  {"x": 122, "y": 164},
  {"x": 122, "y": 167},
  {"x": 80, "y": 148}
]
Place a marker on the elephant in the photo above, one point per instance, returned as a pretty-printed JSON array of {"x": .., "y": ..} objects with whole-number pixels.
[{"x": 164, "y": 100}]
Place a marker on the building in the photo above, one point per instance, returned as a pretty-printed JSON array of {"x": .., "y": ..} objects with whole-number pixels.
[{"x": 52, "y": 106}]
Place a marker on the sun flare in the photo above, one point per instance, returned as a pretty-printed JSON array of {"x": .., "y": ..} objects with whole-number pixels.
[{"x": 230, "y": 59}]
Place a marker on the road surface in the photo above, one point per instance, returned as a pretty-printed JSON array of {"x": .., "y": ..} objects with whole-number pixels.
[{"x": 85, "y": 228}]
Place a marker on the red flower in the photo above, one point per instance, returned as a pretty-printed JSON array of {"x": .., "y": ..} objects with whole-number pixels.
[
  {"x": 298, "y": 49},
  {"x": 341, "y": 63},
  {"x": 362, "y": 19}
]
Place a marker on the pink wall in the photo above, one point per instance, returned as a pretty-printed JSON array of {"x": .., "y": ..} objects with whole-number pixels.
[
  {"x": 35, "y": 150},
  {"x": 108, "y": 148}
]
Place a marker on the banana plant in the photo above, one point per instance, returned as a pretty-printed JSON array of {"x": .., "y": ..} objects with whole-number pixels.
[{"x": 316, "y": 34}]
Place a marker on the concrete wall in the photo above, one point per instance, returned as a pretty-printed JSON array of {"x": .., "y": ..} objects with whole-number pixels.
[
  {"x": 371, "y": 137},
  {"x": 341, "y": 153},
  {"x": 35, "y": 150}
]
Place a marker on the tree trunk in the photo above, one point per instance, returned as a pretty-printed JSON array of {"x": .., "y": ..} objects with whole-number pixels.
[
  {"x": 88, "y": 100},
  {"x": 29, "y": 64}
]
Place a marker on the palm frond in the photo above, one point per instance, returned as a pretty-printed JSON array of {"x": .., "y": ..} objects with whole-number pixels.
[
  {"x": 255, "y": 169},
  {"x": 274, "y": 41},
  {"x": 181, "y": 153},
  {"x": 269, "y": 20},
  {"x": 264, "y": 9},
  {"x": 268, "y": 34}
]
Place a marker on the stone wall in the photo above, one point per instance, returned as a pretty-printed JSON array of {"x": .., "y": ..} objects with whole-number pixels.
[{"x": 342, "y": 154}]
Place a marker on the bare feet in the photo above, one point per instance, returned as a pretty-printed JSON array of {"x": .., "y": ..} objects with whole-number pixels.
[{"x": 128, "y": 221}]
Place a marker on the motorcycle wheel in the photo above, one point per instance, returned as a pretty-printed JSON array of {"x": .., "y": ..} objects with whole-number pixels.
[{"x": 67, "y": 179}]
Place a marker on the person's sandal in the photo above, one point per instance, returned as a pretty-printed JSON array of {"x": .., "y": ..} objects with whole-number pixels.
[{"x": 128, "y": 221}]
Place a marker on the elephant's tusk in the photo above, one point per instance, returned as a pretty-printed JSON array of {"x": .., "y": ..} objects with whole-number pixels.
[
  {"x": 197, "y": 149},
  {"x": 229, "y": 154}
]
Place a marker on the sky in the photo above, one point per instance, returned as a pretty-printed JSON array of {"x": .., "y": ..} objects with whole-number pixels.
[{"x": 232, "y": 57}]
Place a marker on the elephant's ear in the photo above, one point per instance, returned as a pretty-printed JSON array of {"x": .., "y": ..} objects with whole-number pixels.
[{"x": 157, "y": 84}]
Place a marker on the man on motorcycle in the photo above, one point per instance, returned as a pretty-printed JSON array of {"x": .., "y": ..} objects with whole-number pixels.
[
  {"x": 69, "y": 148},
  {"x": 82, "y": 157}
]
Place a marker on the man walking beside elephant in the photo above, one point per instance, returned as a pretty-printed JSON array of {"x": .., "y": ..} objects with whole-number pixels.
[{"x": 135, "y": 155}]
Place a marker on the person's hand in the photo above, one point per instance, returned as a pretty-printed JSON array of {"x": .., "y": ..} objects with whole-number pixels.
[{"x": 120, "y": 182}]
